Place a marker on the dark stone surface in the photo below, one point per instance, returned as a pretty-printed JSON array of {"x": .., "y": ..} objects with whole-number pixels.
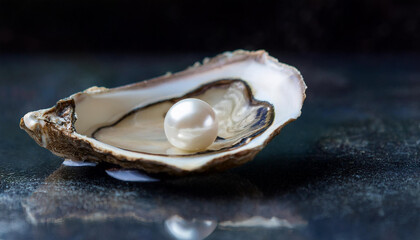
[{"x": 349, "y": 168}]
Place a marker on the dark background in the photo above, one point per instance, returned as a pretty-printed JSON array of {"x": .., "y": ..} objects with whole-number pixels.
[
  {"x": 349, "y": 167},
  {"x": 209, "y": 26}
]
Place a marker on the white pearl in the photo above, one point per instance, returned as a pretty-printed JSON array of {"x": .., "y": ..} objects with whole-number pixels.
[{"x": 191, "y": 125}]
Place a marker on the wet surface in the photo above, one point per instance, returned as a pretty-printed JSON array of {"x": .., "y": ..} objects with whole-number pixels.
[{"x": 349, "y": 168}]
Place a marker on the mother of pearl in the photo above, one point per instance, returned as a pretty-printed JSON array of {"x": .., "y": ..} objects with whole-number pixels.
[{"x": 191, "y": 125}]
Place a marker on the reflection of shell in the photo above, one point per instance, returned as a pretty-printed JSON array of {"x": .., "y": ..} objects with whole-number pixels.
[
  {"x": 85, "y": 197},
  {"x": 253, "y": 95},
  {"x": 86, "y": 193}
]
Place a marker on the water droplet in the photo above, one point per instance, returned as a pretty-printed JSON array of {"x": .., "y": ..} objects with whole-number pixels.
[
  {"x": 71, "y": 163},
  {"x": 130, "y": 175}
]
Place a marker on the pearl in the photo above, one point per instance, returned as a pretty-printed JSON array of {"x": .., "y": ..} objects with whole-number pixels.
[{"x": 191, "y": 125}]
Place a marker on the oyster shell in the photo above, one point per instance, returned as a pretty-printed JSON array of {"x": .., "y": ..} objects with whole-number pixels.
[{"x": 253, "y": 96}]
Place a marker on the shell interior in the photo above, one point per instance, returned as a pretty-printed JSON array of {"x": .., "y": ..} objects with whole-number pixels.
[{"x": 239, "y": 115}]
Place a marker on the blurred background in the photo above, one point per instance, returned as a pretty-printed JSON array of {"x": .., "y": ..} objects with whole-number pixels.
[{"x": 167, "y": 26}]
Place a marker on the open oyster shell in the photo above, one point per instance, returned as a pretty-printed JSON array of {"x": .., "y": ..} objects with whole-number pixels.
[{"x": 253, "y": 96}]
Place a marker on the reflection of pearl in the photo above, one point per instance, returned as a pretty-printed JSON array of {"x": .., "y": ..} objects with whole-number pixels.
[
  {"x": 180, "y": 228},
  {"x": 191, "y": 125}
]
